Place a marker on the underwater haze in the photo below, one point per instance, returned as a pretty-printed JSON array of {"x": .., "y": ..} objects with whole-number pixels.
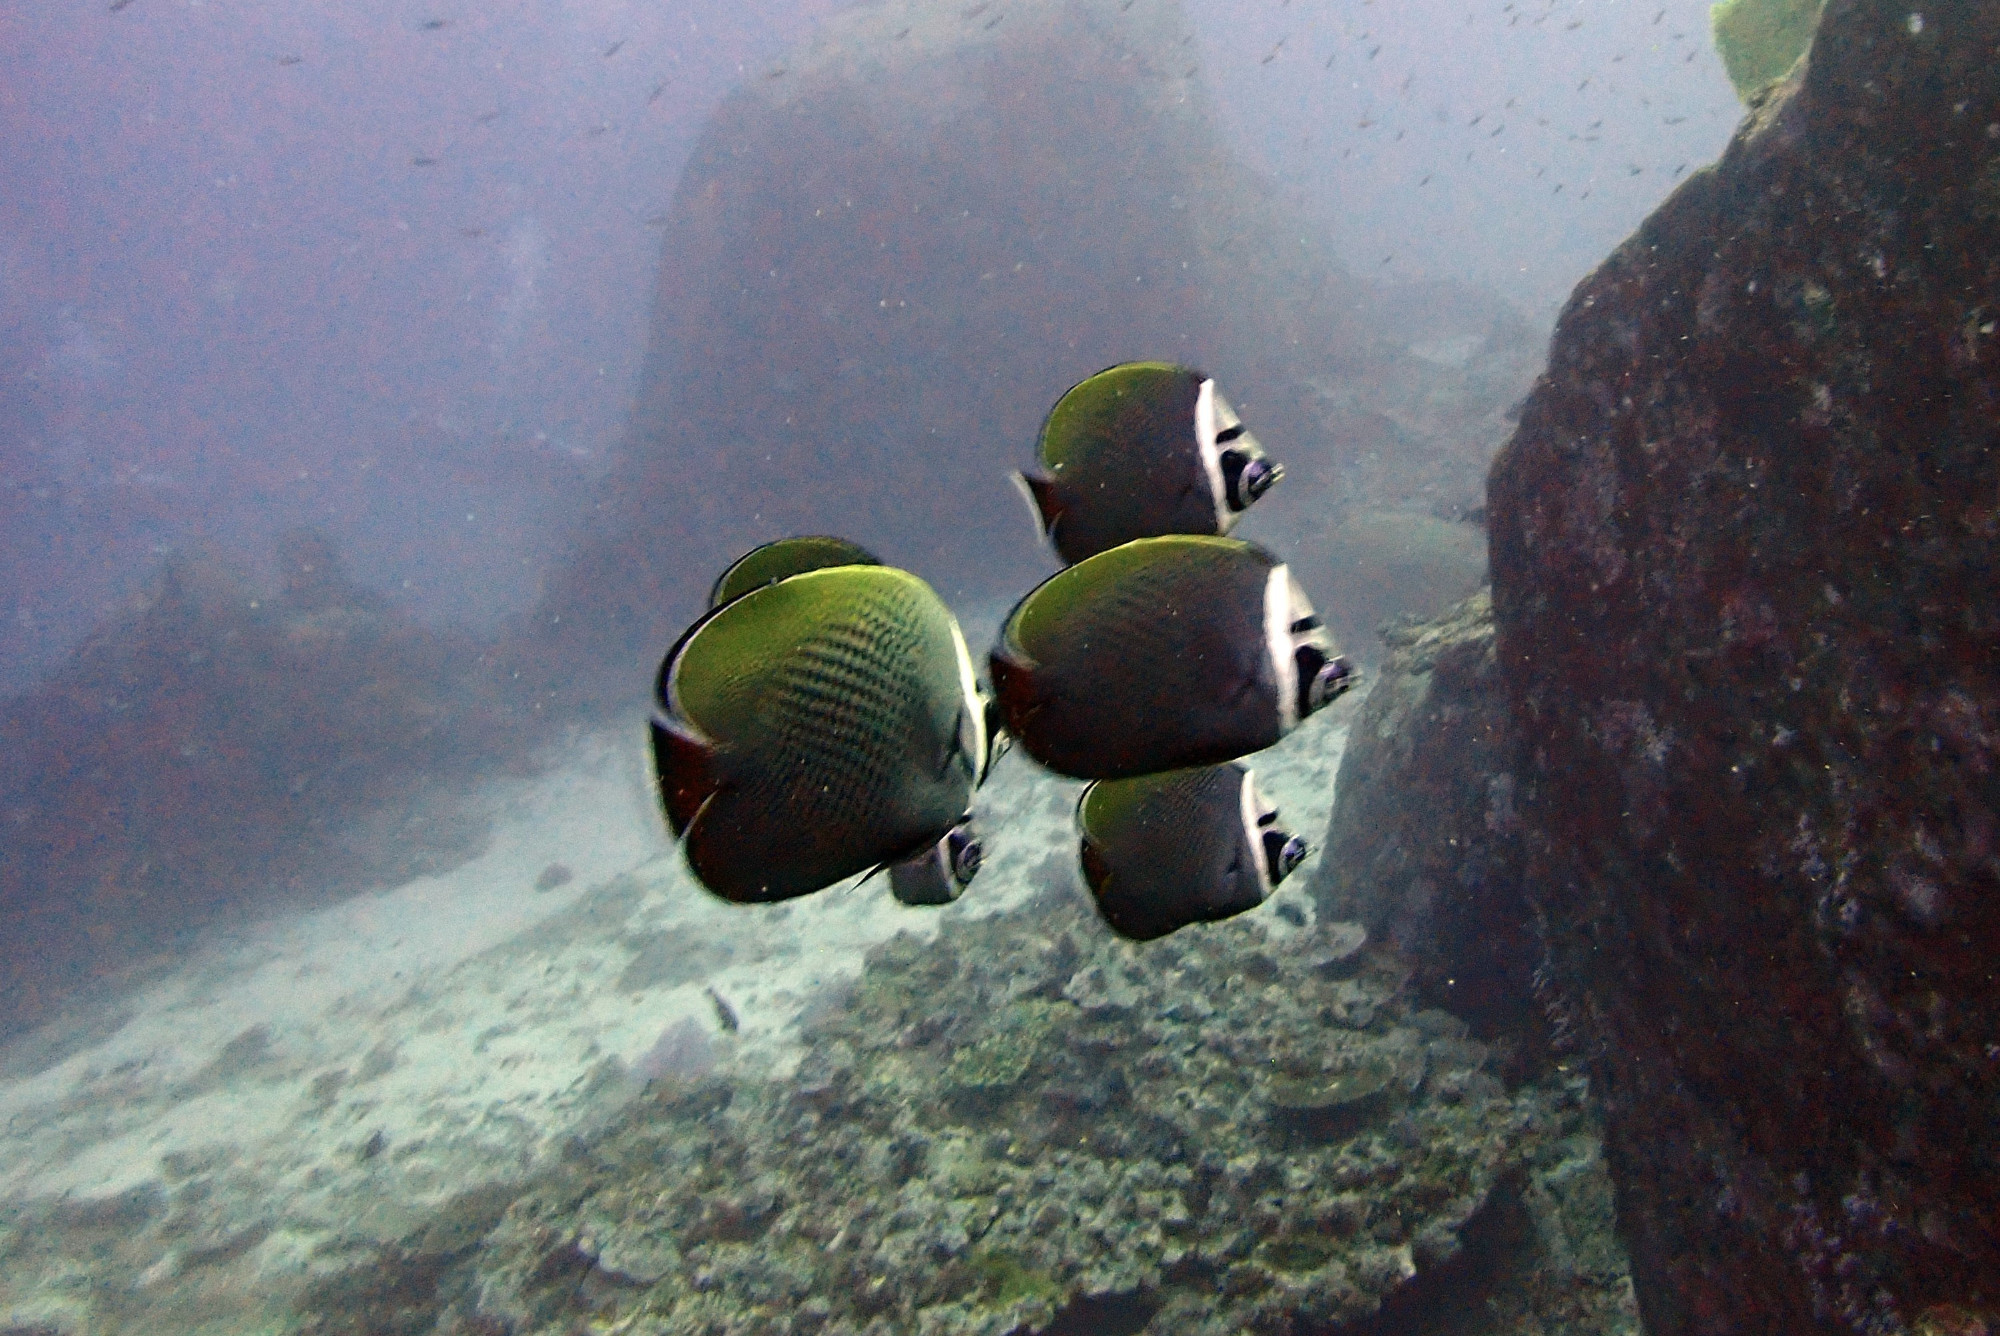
[
  {"x": 384, "y": 388},
  {"x": 260, "y": 269}
]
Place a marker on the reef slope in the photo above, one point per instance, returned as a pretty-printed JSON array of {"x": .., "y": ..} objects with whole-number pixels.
[{"x": 1028, "y": 1126}]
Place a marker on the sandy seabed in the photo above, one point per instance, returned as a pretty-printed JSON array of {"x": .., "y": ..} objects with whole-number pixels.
[{"x": 189, "y": 1155}]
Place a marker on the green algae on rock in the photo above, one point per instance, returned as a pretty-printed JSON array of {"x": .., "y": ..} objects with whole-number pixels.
[
  {"x": 1002, "y": 1057},
  {"x": 1009, "y": 1281},
  {"x": 1332, "y": 1104},
  {"x": 1760, "y": 40}
]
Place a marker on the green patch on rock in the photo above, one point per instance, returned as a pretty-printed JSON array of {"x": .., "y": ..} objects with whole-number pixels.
[
  {"x": 1295, "y": 1256},
  {"x": 1331, "y": 1105},
  {"x": 1009, "y": 1280},
  {"x": 1760, "y": 40},
  {"x": 1318, "y": 1092},
  {"x": 1000, "y": 1058}
]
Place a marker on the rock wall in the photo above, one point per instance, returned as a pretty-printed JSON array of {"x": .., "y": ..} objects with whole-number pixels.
[{"x": 1743, "y": 552}]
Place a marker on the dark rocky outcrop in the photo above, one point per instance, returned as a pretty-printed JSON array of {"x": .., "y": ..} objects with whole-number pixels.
[
  {"x": 208, "y": 753},
  {"x": 892, "y": 251},
  {"x": 1422, "y": 846},
  {"x": 1743, "y": 550}
]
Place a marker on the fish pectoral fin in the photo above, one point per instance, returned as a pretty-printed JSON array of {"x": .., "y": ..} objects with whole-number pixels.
[
  {"x": 685, "y": 767},
  {"x": 1043, "y": 501},
  {"x": 889, "y": 864}
]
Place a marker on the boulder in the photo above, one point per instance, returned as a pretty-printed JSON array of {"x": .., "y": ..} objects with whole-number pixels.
[
  {"x": 1743, "y": 547},
  {"x": 895, "y": 248},
  {"x": 1421, "y": 849},
  {"x": 214, "y": 750}
]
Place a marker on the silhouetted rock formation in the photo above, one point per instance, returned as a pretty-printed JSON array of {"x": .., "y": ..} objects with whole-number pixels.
[
  {"x": 196, "y": 755},
  {"x": 1744, "y": 547},
  {"x": 313, "y": 577},
  {"x": 890, "y": 254}
]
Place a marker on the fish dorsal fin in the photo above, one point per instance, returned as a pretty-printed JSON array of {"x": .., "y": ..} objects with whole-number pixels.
[
  {"x": 1043, "y": 502},
  {"x": 786, "y": 557}
]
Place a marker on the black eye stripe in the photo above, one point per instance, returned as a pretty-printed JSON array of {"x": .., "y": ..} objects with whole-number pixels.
[
  {"x": 1305, "y": 624},
  {"x": 1228, "y": 434}
]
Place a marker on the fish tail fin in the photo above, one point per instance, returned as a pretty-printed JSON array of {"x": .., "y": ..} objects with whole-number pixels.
[
  {"x": 684, "y": 764},
  {"x": 1043, "y": 503},
  {"x": 1015, "y": 692}
]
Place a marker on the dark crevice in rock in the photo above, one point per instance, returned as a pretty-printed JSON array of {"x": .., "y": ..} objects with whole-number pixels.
[
  {"x": 1422, "y": 849},
  {"x": 1495, "y": 1246},
  {"x": 1102, "y": 1315}
]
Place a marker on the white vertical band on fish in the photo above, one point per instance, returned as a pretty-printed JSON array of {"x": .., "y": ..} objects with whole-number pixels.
[
  {"x": 1278, "y": 619},
  {"x": 1205, "y": 429}
]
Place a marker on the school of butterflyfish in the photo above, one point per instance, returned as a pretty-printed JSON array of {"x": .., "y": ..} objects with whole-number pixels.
[{"x": 824, "y": 717}]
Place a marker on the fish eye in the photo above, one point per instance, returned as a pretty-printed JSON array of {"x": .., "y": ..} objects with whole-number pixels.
[
  {"x": 1282, "y": 854},
  {"x": 1306, "y": 624},
  {"x": 1228, "y": 434},
  {"x": 965, "y": 853},
  {"x": 1321, "y": 678},
  {"x": 1246, "y": 477}
]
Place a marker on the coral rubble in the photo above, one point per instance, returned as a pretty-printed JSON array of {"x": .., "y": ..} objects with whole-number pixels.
[{"x": 1230, "y": 1130}]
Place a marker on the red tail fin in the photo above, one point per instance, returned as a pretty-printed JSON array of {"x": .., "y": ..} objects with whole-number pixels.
[{"x": 684, "y": 764}]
